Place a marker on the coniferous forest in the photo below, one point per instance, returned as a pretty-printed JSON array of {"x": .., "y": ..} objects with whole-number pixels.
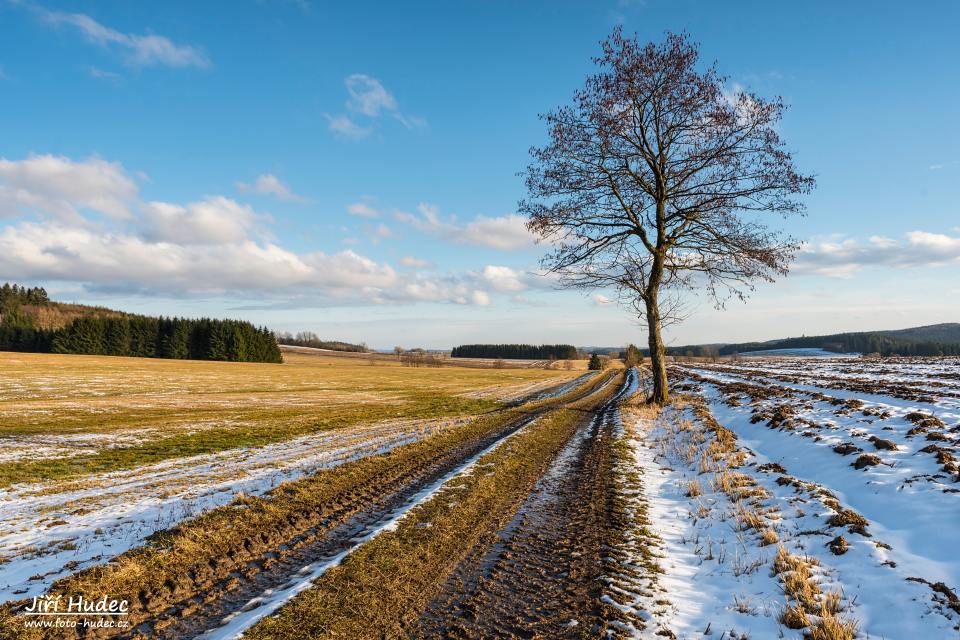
[
  {"x": 515, "y": 351},
  {"x": 129, "y": 335}
]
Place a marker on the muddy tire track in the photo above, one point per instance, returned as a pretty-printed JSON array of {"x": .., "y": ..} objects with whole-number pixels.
[{"x": 542, "y": 574}]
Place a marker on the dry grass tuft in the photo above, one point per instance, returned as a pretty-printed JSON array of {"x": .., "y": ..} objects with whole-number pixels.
[
  {"x": 832, "y": 627},
  {"x": 768, "y": 537},
  {"x": 793, "y": 617}
]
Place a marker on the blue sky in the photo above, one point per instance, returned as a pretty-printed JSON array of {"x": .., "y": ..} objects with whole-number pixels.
[{"x": 351, "y": 168}]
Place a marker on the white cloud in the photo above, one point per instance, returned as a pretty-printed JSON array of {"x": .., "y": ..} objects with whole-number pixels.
[
  {"x": 934, "y": 246},
  {"x": 138, "y": 50},
  {"x": 125, "y": 262},
  {"x": 58, "y": 187},
  {"x": 843, "y": 258},
  {"x": 268, "y": 184},
  {"x": 882, "y": 242},
  {"x": 210, "y": 246},
  {"x": 368, "y": 100},
  {"x": 343, "y": 126},
  {"x": 368, "y": 96},
  {"x": 215, "y": 220},
  {"x": 40, "y": 251},
  {"x": 503, "y": 278},
  {"x": 506, "y": 233},
  {"x": 416, "y": 263},
  {"x": 601, "y": 299},
  {"x": 480, "y": 298},
  {"x": 363, "y": 210}
]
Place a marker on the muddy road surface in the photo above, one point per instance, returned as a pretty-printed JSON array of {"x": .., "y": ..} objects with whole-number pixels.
[{"x": 542, "y": 575}]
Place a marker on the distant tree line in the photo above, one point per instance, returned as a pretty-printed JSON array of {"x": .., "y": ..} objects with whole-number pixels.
[
  {"x": 310, "y": 339},
  {"x": 862, "y": 342},
  {"x": 516, "y": 351},
  {"x": 131, "y": 335}
]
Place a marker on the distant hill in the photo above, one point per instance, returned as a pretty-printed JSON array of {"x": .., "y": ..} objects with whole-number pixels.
[
  {"x": 931, "y": 340},
  {"x": 946, "y": 333}
]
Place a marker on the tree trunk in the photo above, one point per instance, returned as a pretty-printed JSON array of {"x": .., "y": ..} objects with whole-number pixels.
[{"x": 658, "y": 363}]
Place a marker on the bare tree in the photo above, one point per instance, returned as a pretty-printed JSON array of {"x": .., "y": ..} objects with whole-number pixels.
[{"x": 646, "y": 178}]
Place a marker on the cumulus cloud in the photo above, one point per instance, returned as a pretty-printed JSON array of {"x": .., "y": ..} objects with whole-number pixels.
[
  {"x": 480, "y": 298},
  {"x": 600, "y": 299},
  {"x": 214, "y": 220},
  {"x": 368, "y": 100},
  {"x": 117, "y": 261},
  {"x": 844, "y": 257},
  {"x": 268, "y": 184},
  {"x": 504, "y": 278},
  {"x": 137, "y": 50},
  {"x": 213, "y": 245},
  {"x": 39, "y": 251},
  {"x": 61, "y": 188},
  {"x": 505, "y": 233}
]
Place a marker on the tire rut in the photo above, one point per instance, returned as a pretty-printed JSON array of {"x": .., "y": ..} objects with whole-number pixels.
[{"x": 542, "y": 575}]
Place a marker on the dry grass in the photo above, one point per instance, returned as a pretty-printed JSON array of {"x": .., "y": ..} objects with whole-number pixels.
[
  {"x": 833, "y": 627},
  {"x": 768, "y": 537},
  {"x": 807, "y": 605},
  {"x": 793, "y": 617},
  {"x": 196, "y": 554},
  {"x": 180, "y": 407}
]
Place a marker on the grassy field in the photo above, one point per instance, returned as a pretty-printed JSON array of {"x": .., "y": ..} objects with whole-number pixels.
[
  {"x": 341, "y": 496},
  {"x": 85, "y": 414}
]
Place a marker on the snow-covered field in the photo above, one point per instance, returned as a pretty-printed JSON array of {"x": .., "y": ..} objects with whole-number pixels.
[{"x": 824, "y": 469}]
